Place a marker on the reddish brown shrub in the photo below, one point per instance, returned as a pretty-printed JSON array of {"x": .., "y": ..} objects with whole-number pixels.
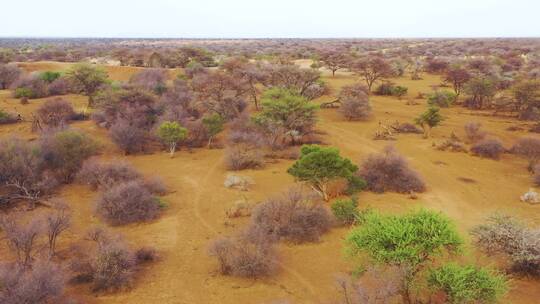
[
  {"x": 127, "y": 203},
  {"x": 42, "y": 284},
  {"x": 153, "y": 80},
  {"x": 292, "y": 216},
  {"x": 22, "y": 238},
  {"x": 473, "y": 132},
  {"x": 488, "y": 148},
  {"x": 56, "y": 112},
  {"x": 65, "y": 151},
  {"x": 239, "y": 256},
  {"x": 129, "y": 137},
  {"x": 60, "y": 86},
  {"x": 104, "y": 175},
  {"x": 390, "y": 171},
  {"x": 240, "y": 157},
  {"x": 528, "y": 147},
  {"x": 113, "y": 266},
  {"x": 145, "y": 255}
]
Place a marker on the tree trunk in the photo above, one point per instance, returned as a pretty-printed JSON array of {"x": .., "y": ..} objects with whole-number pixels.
[
  {"x": 172, "y": 149},
  {"x": 210, "y": 142}
]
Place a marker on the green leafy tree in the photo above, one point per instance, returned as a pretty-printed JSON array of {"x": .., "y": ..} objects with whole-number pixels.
[
  {"x": 171, "y": 133},
  {"x": 429, "y": 119},
  {"x": 409, "y": 241},
  {"x": 467, "y": 284},
  {"x": 88, "y": 79},
  {"x": 214, "y": 124},
  {"x": 49, "y": 76},
  {"x": 285, "y": 113},
  {"x": 318, "y": 166}
]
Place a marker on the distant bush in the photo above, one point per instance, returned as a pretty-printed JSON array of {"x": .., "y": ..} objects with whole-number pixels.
[
  {"x": 345, "y": 210},
  {"x": 239, "y": 256},
  {"x": 389, "y": 171},
  {"x": 443, "y": 99},
  {"x": 153, "y": 80},
  {"x": 354, "y": 102},
  {"x": 65, "y": 151},
  {"x": 9, "y": 73},
  {"x": 406, "y": 127},
  {"x": 240, "y": 157},
  {"x": 488, "y": 148},
  {"x": 390, "y": 89},
  {"x": 293, "y": 217},
  {"x": 60, "y": 86},
  {"x": 56, "y": 112},
  {"x": 127, "y": 202},
  {"x": 473, "y": 132}
]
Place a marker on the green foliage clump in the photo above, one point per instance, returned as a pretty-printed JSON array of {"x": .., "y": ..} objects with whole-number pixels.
[
  {"x": 467, "y": 284},
  {"x": 171, "y": 133},
  {"x": 24, "y": 93},
  {"x": 346, "y": 210},
  {"x": 49, "y": 76},
  {"x": 214, "y": 124},
  {"x": 318, "y": 166},
  {"x": 443, "y": 99},
  {"x": 285, "y": 113},
  {"x": 409, "y": 241},
  {"x": 429, "y": 119}
]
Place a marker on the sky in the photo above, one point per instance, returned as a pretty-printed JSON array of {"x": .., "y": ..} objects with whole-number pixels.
[{"x": 270, "y": 18}]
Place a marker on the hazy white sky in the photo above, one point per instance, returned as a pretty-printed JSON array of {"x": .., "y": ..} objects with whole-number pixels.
[{"x": 269, "y": 18}]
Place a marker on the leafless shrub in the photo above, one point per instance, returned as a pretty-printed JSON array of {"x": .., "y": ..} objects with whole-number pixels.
[
  {"x": 155, "y": 185},
  {"x": 113, "y": 266},
  {"x": 127, "y": 203},
  {"x": 56, "y": 221},
  {"x": 390, "y": 171},
  {"x": 8, "y": 117},
  {"x": 60, "y": 86},
  {"x": 488, "y": 148},
  {"x": 473, "y": 132},
  {"x": 292, "y": 216},
  {"x": 406, "y": 127},
  {"x": 377, "y": 285},
  {"x": 528, "y": 147},
  {"x": 240, "y": 157},
  {"x": 22, "y": 238},
  {"x": 238, "y": 182},
  {"x": 128, "y": 137},
  {"x": 452, "y": 144},
  {"x": 354, "y": 102},
  {"x": 42, "y": 284},
  {"x": 506, "y": 235},
  {"x": 145, "y": 255},
  {"x": 64, "y": 152},
  {"x": 104, "y": 175},
  {"x": 240, "y": 256},
  {"x": 55, "y": 112},
  {"x": 153, "y": 80},
  {"x": 9, "y": 73}
]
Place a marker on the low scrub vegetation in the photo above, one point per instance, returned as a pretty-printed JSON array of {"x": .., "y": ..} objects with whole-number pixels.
[
  {"x": 488, "y": 148},
  {"x": 389, "y": 171}
]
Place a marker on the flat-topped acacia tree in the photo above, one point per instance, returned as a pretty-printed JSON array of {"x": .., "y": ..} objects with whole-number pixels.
[{"x": 318, "y": 166}]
